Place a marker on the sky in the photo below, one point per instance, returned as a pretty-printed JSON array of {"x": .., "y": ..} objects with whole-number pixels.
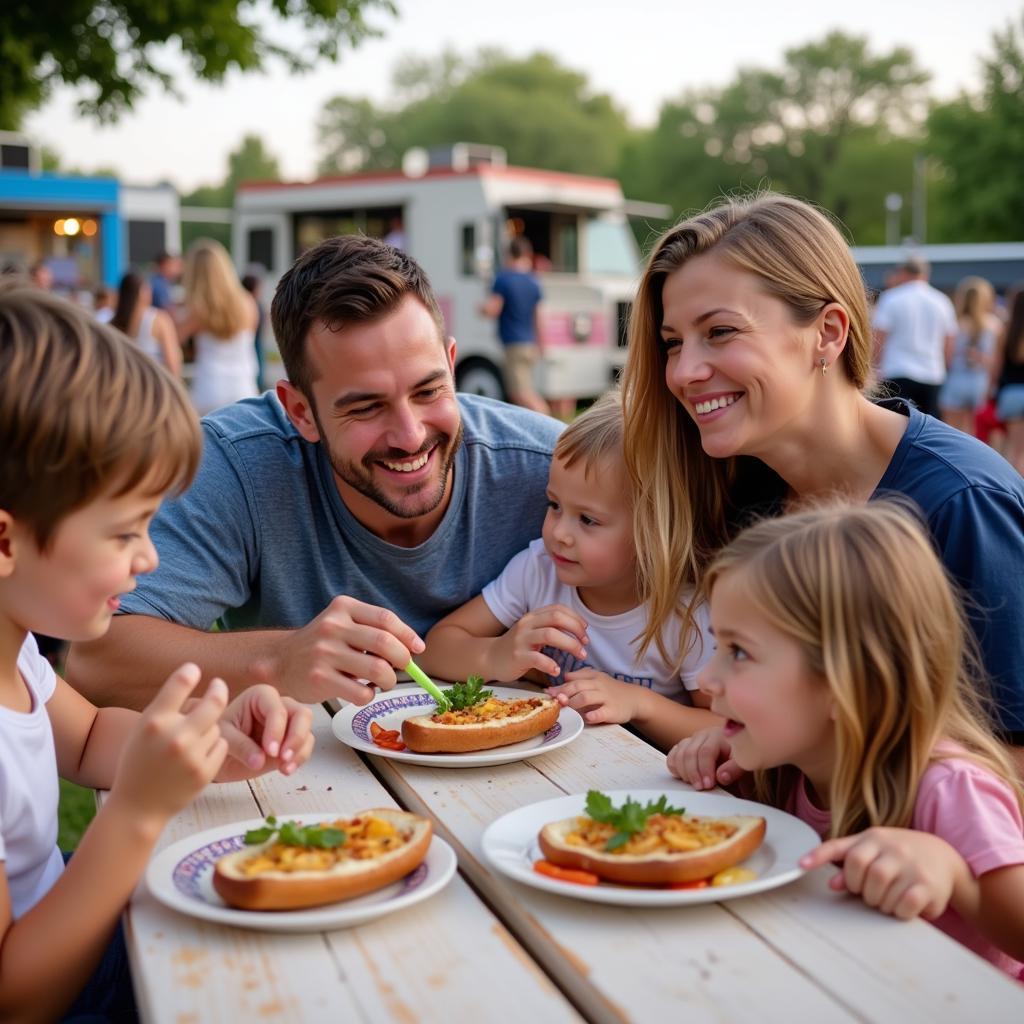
[{"x": 641, "y": 52}]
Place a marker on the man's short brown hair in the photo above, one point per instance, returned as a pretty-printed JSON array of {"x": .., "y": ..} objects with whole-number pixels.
[
  {"x": 83, "y": 413},
  {"x": 348, "y": 279}
]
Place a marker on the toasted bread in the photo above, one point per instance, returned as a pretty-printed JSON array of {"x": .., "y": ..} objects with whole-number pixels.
[
  {"x": 652, "y": 857},
  {"x": 382, "y": 844},
  {"x": 491, "y": 723}
]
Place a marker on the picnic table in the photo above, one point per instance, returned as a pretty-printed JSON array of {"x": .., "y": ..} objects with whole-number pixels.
[{"x": 487, "y": 948}]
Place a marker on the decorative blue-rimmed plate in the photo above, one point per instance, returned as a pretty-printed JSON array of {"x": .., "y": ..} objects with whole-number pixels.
[
  {"x": 181, "y": 877},
  {"x": 352, "y": 726}
]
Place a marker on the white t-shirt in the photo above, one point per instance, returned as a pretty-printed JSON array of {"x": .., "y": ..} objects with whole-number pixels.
[
  {"x": 916, "y": 318},
  {"x": 530, "y": 581},
  {"x": 28, "y": 788}
]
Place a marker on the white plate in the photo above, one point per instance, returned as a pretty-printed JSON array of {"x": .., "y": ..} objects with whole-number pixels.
[
  {"x": 510, "y": 844},
  {"x": 352, "y": 726},
  {"x": 181, "y": 876}
]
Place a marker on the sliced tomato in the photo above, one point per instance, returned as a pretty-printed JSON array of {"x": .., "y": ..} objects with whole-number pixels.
[
  {"x": 375, "y": 730},
  {"x": 577, "y": 877}
]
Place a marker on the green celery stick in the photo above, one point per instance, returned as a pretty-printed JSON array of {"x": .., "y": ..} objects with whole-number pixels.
[{"x": 419, "y": 676}]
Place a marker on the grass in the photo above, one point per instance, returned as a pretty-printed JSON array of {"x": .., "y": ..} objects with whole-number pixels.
[{"x": 75, "y": 811}]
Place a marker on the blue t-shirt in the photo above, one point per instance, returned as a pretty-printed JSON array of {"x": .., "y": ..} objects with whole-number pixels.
[
  {"x": 973, "y": 502},
  {"x": 520, "y": 294},
  {"x": 262, "y": 537},
  {"x": 161, "y": 288}
]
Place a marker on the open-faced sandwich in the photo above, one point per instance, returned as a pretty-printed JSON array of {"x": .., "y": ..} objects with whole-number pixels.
[
  {"x": 477, "y": 720},
  {"x": 649, "y": 844},
  {"x": 290, "y": 866}
]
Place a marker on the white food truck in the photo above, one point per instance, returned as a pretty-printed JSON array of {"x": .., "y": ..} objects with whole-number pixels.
[{"x": 456, "y": 209}]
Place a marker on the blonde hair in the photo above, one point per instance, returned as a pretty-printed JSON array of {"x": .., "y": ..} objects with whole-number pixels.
[
  {"x": 82, "y": 413},
  {"x": 861, "y": 590},
  {"x": 595, "y": 435},
  {"x": 974, "y": 301},
  {"x": 683, "y": 507},
  {"x": 213, "y": 294}
]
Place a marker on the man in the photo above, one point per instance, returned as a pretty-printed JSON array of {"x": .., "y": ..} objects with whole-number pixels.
[
  {"x": 366, "y": 477},
  {"x": 168, "y": 273},
  {"x": 514, "y": 299},
  {"x": 915, "y": 325}
]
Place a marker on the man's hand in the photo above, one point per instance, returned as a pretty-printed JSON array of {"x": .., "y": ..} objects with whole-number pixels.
[
  {"x": 347, "y": 651},
  {"x": 520, "y": 649}
]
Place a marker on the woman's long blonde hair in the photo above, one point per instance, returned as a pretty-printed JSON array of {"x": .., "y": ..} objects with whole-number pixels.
[
  {"x": 975, "y": 299},
  {"x": 861, "y": 590},
  {"x": 214, "y": 296},
  {"x": 683, "y": 511}
]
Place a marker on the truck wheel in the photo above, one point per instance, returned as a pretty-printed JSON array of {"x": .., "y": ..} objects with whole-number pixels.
[{"x": 480, "y": 377}]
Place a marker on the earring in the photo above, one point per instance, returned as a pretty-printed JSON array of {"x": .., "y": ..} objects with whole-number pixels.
[{"x": 824, "y": 366}]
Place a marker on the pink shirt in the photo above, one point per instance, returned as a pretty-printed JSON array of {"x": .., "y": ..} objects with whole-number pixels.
[{"x": 977, "y": 814}]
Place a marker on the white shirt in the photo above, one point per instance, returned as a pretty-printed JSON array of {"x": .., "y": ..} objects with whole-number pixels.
[
  {"x": 917, "y": 318},
  {"x": 29, "y": 790},
  {"x": 530, "y": 581}
]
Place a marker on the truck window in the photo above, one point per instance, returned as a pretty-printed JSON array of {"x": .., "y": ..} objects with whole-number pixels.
[
  {"x": 261, "y": 247},
  {"x": 312, "y": 228},
  {"x": 554, "y": 236},
  {"x": 468, "y": 250},
  {"x": 610, "y": 248}
]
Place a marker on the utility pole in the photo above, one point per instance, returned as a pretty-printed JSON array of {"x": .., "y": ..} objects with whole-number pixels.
[{"x": 893, "y": 205}]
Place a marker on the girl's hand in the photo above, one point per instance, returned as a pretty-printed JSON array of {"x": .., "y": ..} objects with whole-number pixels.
[
  {"x": 171, "y": 754},
  {"x": 898, "y": 870},
  {"x": 597, "y": 696},
  {"x": 519, "y": 649},
  {"x": 703, "y": 760},
  {"x": 264, "y": 731}
]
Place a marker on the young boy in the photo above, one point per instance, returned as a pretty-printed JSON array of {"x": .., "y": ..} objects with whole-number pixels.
[
  {"x": 568, "y": 606},
  {"x": 92, "y": 435}
]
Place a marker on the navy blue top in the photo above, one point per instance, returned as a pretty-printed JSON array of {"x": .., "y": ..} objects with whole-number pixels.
[
  {"x": 973, "y": 502},
  {"x": 161, "y": 288},
  {"x": 520, "y": 294}
]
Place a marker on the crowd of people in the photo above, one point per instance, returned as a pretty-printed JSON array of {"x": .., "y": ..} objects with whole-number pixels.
[{"x": 782, "y": 571}]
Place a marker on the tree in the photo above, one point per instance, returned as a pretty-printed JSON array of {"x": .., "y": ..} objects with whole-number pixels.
[
  {"x": 112, "y": 46},
  {"x": 542, "y": 113},
  {"x": 979, "y": 142}
]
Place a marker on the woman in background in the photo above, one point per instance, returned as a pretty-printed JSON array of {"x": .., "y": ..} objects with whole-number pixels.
[
  {"x": 222, "y": 316},
  {"x": 150, "y": 328},
  {"x": 970, "y": 363},
  {"x": 1010, "y": 397}
]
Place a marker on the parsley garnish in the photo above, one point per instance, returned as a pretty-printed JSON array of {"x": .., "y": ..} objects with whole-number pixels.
[
  {"x": 465, "y": 695},
  {"x": 291, "y": 833},
  {"x": 628, "y": 819}
]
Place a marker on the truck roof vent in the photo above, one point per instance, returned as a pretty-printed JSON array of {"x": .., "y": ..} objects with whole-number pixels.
[{"x": 461, "y": 156}]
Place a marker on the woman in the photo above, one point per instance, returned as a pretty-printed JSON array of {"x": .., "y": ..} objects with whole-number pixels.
[
  {"x": 1010, "y": 398},
  {"x": 222, "y": 317},
  {"x": 150, "y": 328},
  {"x": 745, "y": 392},
  {"x": 978, "y": 329}
]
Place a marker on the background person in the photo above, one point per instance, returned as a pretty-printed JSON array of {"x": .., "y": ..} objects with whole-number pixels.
[
  {"x": 253, "y": 284},
  {"x": 104, "y": 303},
  {"x": 745, "y": 393},
  {"x": 968, "y": 379},
  {"x": 164, "y": 280},
  {"x": 222, "y": 318},
  {"x": 1010, "y": 394},
  {"x": 915, "y": 325},
  {"x": 513, "y": 302},
  {"x": 331, "y": 523},
  {"x": 150, "y": 328}
]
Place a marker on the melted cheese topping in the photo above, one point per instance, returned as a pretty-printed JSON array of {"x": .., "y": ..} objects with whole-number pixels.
[
  {"x": 491, "y": 710},
  {"x": 365, "y": 838},
  {"x": 663, "y": 833}
]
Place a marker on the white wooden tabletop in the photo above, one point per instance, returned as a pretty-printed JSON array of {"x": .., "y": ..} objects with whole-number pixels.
[{"x": 489, "y": 949}]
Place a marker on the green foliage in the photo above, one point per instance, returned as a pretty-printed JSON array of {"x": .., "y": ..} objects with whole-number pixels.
[
  {"x": 291, "y": 833},
  {"x": 464, "y": 695},
  {"x": 979, "y": 143},
  {"x": 627, "y": 820},
  {"x": 112, "y": 47},
  {"x": 76, "y": 809}
]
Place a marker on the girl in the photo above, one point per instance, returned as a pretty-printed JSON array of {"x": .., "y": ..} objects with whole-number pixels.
[
  {"x": 566, "y": 609},
  {"x": 846, "y": 677},
  {"x": 150, "y": 328},
  {"x": 1010, "y": 397}
]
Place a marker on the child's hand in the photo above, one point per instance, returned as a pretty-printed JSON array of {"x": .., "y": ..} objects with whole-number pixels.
[
  {"x": 519, "y": 649},
  {"x": 597, "y": 696},
  {"x": 703, "y": 760},
  {"x": 898, "y": 870},
  {"x": 172, "y": 754},
  {"x": 264, "y": 731}
]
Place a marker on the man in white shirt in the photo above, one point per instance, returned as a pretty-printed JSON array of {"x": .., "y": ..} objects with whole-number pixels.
[{"x": 915, "y": 325}]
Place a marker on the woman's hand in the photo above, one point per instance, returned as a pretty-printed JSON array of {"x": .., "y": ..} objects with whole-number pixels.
[
  {"x": 519, "y": 649},
  {"x": 897, "y": 870},
  {"x": 703, "y": 760},
  {"x": 597, "y": 696},
  {"x": 264, "y": 731}
]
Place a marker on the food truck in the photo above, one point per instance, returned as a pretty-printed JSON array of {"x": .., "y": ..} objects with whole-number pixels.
[{"x": 455, "y": 210}]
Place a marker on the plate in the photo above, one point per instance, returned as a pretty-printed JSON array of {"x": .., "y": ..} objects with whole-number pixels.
[
  {"x": 352, "y": 726},
  {"x": 181, "y": 877},
  {"x": 510, "y": 844}
]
